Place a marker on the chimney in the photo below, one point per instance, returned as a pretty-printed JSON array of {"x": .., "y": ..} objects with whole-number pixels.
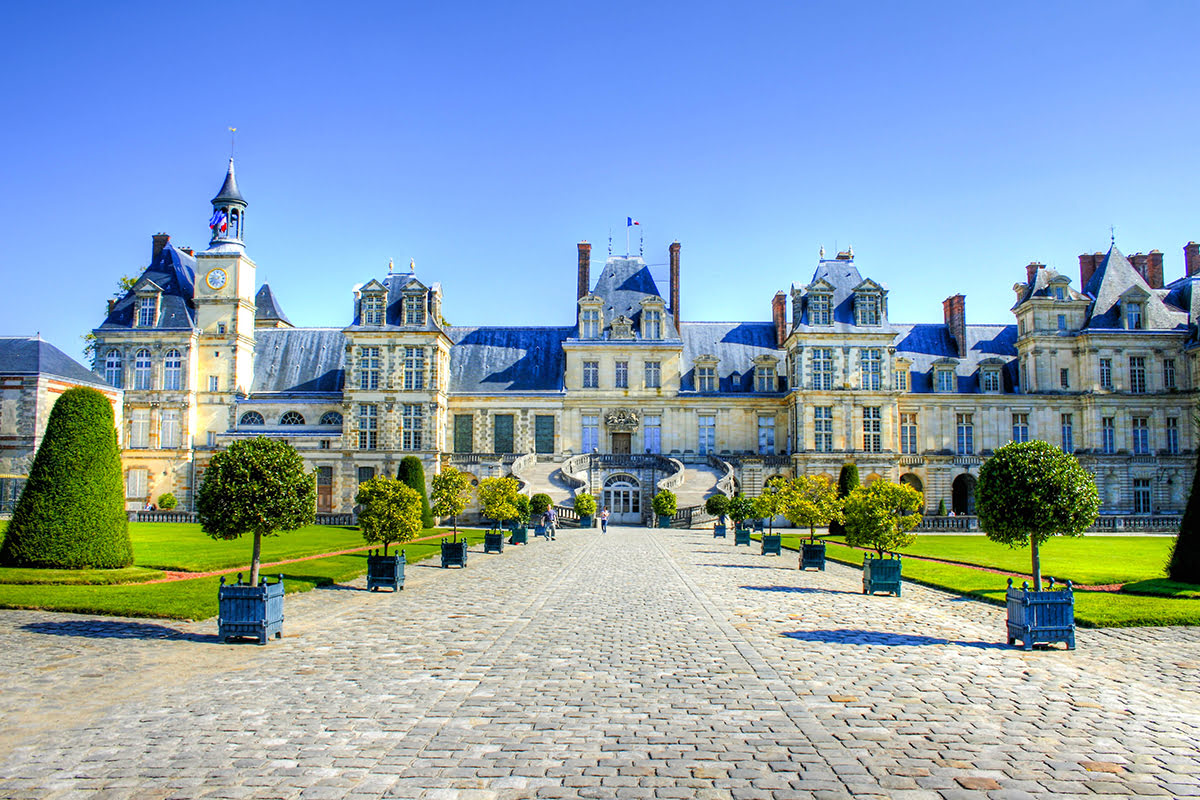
[
  {"x": 188, "y": 250},
  {"x": 160, "y": 241},
  {"x": 1154, "y": 275},
  {"x": 675, "y": 283},
  {"x": 1138, "y": 262},
  {"x": 779, "y": 317},
  {"x": 1031, "y": 271},
  {"x": 585, "y": 269},
  {"x": 1087, "y": 266},
  {"x": 955, "y": 309},
  {"x": 1191, "y": 259}
]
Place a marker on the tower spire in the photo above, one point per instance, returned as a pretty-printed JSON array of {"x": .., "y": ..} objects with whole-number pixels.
[{"x": 228, "y": 221}]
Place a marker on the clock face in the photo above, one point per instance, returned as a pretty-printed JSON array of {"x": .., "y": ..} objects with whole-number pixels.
[{"x": 216, "y": 279}]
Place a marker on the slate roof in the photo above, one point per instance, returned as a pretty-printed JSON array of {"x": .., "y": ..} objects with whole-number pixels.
[
  {"x": 1112, "y": 279},
  {"x": 174, "y": 272},
  {"x": 925, "y": 344},
  {"x": 229, "y": 190},
  {"x": 735, "y": 344},
  {"x": 1182, "y": 294},
  {"x": 299, "y": 360},
  {"x": 396, "y": 283},
  {"x": 29, "y": 355},
  {"x": 844, "y": 278},
  {"x": 485, "y": 360},
  {"x": 624, "y": 283},
  {"x": 1041, "y": 286},
  {"x": 266, "y": 307}
]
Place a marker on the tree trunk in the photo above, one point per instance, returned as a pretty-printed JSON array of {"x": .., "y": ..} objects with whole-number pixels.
[
  {"x": 385, "y": 544},
  {"x": 1037, "y": 566},
  {"x": 255, "y": 558}
]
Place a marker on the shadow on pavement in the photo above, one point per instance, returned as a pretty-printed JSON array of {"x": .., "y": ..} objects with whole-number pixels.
[
  {"x": 112, "y": 629},
  {"x": 741, "y": 566},
  {"x": 850, "y": 636},
  {"x": 798, "y": 589}
]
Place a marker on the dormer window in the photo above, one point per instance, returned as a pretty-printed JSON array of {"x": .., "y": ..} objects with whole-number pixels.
[
  {"x": 989, "y": 376},
  {"x": 735, "y": 381},
  {"x": 591, "y": 318},
  {"x": 706, "y": 373},
  {"x": 652, "y": 319},
  {"x": 945, "y": 376},
  {"x": 901, "y": 373},
  {"x": 1060, "y": 293},
  {"x": 764, "y": 378},
  {"x": 867, "y": 308},
  {"x": 147, "y": 310},
  {"x": 1133, "y": 316},
  {"x": 372, "y": 309},
  {"x": 414, "y": 309},
  {"x": 819, "y": 309}
]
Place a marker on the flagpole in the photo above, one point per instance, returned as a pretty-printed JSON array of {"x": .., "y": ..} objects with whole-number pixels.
[{"x": 627, "y": 227}]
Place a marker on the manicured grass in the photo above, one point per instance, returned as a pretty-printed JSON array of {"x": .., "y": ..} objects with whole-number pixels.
[
  {"x": 184, "y": 547},
  {"x": 1162, "y": 587},
  {"x": 77, "y": 577},
  {"x": 196, "y": 598}
]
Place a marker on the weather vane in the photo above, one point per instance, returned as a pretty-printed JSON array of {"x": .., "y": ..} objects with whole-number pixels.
[{"x": 232, "y": 136}]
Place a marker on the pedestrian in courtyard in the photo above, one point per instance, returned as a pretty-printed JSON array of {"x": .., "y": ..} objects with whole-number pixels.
[
  {"x": 604, "y": 520},
  {"x": 550, "y": 520}
]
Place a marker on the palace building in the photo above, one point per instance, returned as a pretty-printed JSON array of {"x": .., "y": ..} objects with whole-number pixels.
[{"x": 632, "y": 392}]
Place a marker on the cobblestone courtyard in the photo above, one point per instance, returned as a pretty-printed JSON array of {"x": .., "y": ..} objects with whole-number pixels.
[{"x": 636, "y": 664}]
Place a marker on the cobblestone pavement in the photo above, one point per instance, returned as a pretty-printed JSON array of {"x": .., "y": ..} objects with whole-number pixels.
[{"x": 641, "y": 663}]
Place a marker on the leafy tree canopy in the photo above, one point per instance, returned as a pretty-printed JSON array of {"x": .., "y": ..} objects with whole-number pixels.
[
  {"x": 810, "y": 500},
  {"x": 391, "y": 511},
  {"x": 717, "y": 505},
  {"x": 740, "y": 507},
  {"x": 451, "y": 493},
  {"x": 585, "y": 504},
  {"x": 498, "y": 498},
  {"x": 539, "y": 503},
  {"x": 664, "y": 503},
  {"x": 881, "y": 515}
]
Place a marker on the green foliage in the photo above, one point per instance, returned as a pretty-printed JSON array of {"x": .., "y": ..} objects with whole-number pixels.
[
  {"x": 71, "y": 514},
  {"x": 1184, "y": 564},
  {"x": 167, "y": 501},
  {"x": 256, "y": 486},
  {"x": 941, "y": 509},
  {"x": 451, "y": 493},
  {"x": 539, "y": 503},
  {"x": 522, "y": 503},
  {"x": 881, "y": 515},
  {"x": 717, "y": 505},
  {"x": 664, "y": 503},
  {"x": 498, "y": 498},
  {"x": 809, "y": 500},
  {"x": 391, "y": 511},
  {"x": 412, "y": 472},
  {"x": 740, "y": 507},
  {"x": 585, "y": 504},
  {"x": 847, "y": 482}
]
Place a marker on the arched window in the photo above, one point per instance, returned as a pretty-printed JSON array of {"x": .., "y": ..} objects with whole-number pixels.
[
  {"x": 173, "y": 370},
  {"x": 141, "y": 369},
  {"x": 292, "y": 418},
  {"x": 331, "y": 418},
  {"x": 112, "y": 369},
  {"x": 252, "y": 418}
]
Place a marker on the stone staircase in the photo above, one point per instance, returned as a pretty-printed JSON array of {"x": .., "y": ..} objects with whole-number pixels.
[
  {"x": 544, "y": 476},
  {"x": 699, "y": 481}
]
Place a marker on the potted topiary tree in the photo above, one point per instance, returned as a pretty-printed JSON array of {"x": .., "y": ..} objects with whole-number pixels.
[
  {"x": 539, "y": 504},
  {"x": 585, "y": 507},
  {"x": 167, "y": 501},
  {"x": 1028, "y": 492},
  {"x": 451, "y": 493},
  {"x": 256, "y": 486},
  {"x": 498, "y": 501},
  {"x": 520, "y": 526},
  {"x": 810, "y": 500},
  {"x": 664, "y": 505},
  {"x": 718, "y": 506},
  {"x": 766, "y": 506},
  {"x": 740, "y": 509},
  {"x": 391, "y": 512},
  {"x": 880, "y": 517}
]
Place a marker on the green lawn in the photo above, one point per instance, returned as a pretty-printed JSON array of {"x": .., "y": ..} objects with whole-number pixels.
[{"x": 183, "y": 547}]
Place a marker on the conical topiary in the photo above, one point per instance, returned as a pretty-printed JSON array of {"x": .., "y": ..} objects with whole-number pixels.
[
  {"x": 847, "y": 480},
  {"x": 1184, "y": 565},
  {"x": 412, "y": 472},
  {"x": 71, "y": 514}
]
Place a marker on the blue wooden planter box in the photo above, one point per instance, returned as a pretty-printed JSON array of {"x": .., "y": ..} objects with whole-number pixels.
[
  {"x": 539, "y": 530},
  {"x": 812, "y": 556},
  {"x": 741, "y": 536},
  {"x": 585, "y": 520},
  {"x": 454, "y": 554},
  {"x": 758, "y": 526},
  {"x": 771, "y": 544},
  {"x": 664, "y": 521},
  {"x": 493, "y": 542},
  {"x": 1041, "y": 617},
  {"x": 385, "y": 572},
  {"x": 718, "y": 530},
  {"x": 254, "y": 612},
  {"x": 881, "y": 575},
  {"x": 519, "y": 535}
]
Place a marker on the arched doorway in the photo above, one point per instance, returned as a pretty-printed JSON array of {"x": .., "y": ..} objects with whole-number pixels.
[
  {"x": 909, "y": 479},
  {"x": 622, "y": 496},
  {"x": 962, "y": 496}
]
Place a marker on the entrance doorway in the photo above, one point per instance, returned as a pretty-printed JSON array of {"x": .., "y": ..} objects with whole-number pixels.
[
  {"x": 623, "y": 497},
  {"x": 622, "y": 443},
  {"x": 962, "y": 493}
]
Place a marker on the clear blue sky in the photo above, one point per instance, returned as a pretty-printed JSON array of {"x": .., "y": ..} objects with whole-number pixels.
[{"x": 949, "y": 144}]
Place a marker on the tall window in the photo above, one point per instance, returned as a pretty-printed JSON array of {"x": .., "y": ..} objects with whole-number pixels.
[
  {"x": 368, "y": 368},
  {"x": 147, "y": 306},
  {"x": 412, "y": 422},
  {"x": 708, "y": 433},
  {"x": 908, "y": 433},
  {"x": 653, "y": 374},
  {"x": 766, "y": 436},
  {"x": 902, "y": 379},
  {"x": 1064, "y": 378},
  {"x": 872, "y": 369},
  {"x": 1106, "y": 373},
  {"x": 945, "y": 380},
  {"x": 1068, "y": 434},
  {"x": 214, "y": 383},
  {"x": 139, "y": 428},
  {"x": 966, "y": 434},
  {"x": 591, "y": 374},
  {"x": 169, "y": 432},
  {"x": 368, "y": 427},
  {"x": 652, "y": 433},
  {"x": 764, "y": 378},
  {"x": 414, "y": 310},
  {"x": 372, "y": 309},
  {"x": 141, "y": 369},
  {"x": 136, "y": 483},
  {"x": 621, "y": 375},
  {"x": 502, "y": 433},
  {"x": 589, "y": 323},
  {"x": 872, "y": 429},
  {"x": 867, "y": 307},
  {"x": 1020, "y": 427},
  {"x": 822, "y": 361},
  {"x": 112, "y": 369},
  {"x": 414, "y": 368},
  {"x": 173, "y": 370},
  {"x": 818, "y": 309},
  {"x": 823, "y": 429},
  {"x": 1168, "y": 373},
  {"x": 365, "y": 474},
  {"x": 1062, "y": 322},
  {"x": 1172, "y": 443},
  {"x": 1137, "y": 374},
  {"x": 464, "y": 433},
  {"x": 1133, "y": 316},
  {"x": 1140, "y": 428},
  {"x": 991, "y": 380},
  {"x": 591, "y": 433},
  {"x": 1141, "y": 496},
  {"x": 706, "y": 379},
  {"x": 1108, "y": 435},
  {"x": 652, "y": 323}
]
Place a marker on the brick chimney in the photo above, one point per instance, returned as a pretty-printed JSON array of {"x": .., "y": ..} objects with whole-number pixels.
[
  {"x": 955, "y": 309},
  {"x": 1138, "y": 262},
  {"x": 1154, "y": 273},
  {"x": 585, "y": 269},
  {"x": 1191, "y": 259},
  {"x": 188, "y": 250},
  {"x": 674, "y": 289},
  {"x": 1087, "y": 266},
  {"x": 160, "y": 241},
  {"x": 779, "y": 317},
  {"x": 1031, "y": 271}
]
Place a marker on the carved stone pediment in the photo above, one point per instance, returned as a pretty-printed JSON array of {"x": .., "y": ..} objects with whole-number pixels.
[{"x": 621, "y": 420}]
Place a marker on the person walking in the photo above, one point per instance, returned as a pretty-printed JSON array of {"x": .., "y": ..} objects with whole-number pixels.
[
  {"x": 604, "y": 520},
  {"x": 550, "y": 520}
]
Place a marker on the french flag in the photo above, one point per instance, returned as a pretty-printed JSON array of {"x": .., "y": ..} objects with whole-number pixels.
[
  {"x": 218, "y": 221},
  {"x": 630, "y": 222}
]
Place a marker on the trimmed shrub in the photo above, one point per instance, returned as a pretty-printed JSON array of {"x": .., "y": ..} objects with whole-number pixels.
[
  {"x": 1184, "y": 565},
  {"x": 717, "y": 505},
  {"x": 539, "y": 504},
  {"x": 740, "y": 507},
  {"x": 71, "y": 514},
  {"x": 585, "y": 504},
  {"x": 412, "y": 472},
  {"x": 451, "y": 492},
  {"x": 522, "y": 504},
  {"x": 664, "y": 503},
  {"x": 941, "y": 512},
  {"x": 881, "y": 515},
  {"x": 391, "y": 511},
  {"x": 498, "y": 499},
  {"x": 167, "y": 501}
]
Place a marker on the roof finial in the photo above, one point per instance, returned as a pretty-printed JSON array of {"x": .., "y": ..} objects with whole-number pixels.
[
  {"x": 851, "y": 251},
  {"x": 412, "y": 265},
  {"x": 1112, "y": 233},
  {"x": 390, "y": 265},
  {"x": 232, "y": 134},
  {"x": 821, "y": 253}
]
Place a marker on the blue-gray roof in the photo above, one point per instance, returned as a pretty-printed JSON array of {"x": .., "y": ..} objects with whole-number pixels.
[
  {"x": 843, "y": 278},
  {"x": 735, "y": 344},
  {"x": 1112, "y": 279},
  {"x": 174, "y": 272},
  {"x": 26, "y": 355},
  {"x": 485, "y": 360},
  {"x": 299, "y": 360},
  {"x": 229, "y": 190},
  {"x": 266, "y": 307},
  {"x": 624, "y": 283},
  {"x": 925, "y": 344}
]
